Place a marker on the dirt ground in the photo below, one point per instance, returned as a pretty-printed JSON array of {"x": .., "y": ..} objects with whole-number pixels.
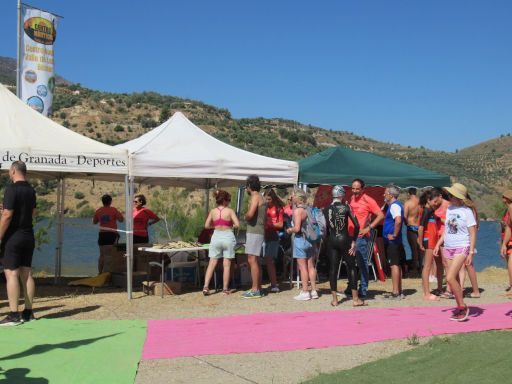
[{"x": 63, "y": 301}]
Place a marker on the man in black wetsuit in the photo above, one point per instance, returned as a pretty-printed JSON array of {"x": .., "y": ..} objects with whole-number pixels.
[
  {"x": 17, "y": 242},
  {"x": 340, "y": 245}
]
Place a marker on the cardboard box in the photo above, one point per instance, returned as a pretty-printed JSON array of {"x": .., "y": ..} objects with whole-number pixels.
[{"x": 155, "y": 288}]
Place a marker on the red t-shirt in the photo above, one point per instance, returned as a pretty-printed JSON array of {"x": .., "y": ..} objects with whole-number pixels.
[
  {"x": 140, "y": 221},
  {"x": 363, "y": 207},
  {"x": 107, "y": 217},
  {"x": 273, "y": 217},
  {"x": 506, "y": 221}
]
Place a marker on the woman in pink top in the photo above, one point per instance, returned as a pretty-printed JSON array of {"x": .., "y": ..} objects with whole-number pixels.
[{"x": 223, "y": 242}]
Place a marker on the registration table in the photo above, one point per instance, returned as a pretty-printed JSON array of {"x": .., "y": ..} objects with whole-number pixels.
[{"x": 170, "y": 253}]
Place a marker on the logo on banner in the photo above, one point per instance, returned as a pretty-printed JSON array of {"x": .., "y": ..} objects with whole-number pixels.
[{"x": 40, "y": 30}]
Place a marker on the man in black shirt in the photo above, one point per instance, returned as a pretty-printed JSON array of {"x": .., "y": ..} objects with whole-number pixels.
[{"x": 17, "y": 242}]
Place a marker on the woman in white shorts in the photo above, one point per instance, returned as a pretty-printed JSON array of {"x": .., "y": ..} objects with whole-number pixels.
[
  {"x": 459, "y": 239},
  {"x": 222, "y": 244}
]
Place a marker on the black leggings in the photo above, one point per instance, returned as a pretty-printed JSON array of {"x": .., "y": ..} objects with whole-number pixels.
[{"x": 337, "y": 249}]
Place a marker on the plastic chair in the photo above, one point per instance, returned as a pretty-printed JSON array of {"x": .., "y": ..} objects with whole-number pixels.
[{"x": 181, "y": 260}]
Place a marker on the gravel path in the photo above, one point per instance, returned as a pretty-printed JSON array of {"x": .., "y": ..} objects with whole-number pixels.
[{"x": 273, "y": 367}]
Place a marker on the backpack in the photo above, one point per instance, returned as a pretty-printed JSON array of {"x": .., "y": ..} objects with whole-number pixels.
[{"x": 316, "y": 226}]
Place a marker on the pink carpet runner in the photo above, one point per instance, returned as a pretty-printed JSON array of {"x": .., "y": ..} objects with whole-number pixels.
[{"x": 286, "y": 331}]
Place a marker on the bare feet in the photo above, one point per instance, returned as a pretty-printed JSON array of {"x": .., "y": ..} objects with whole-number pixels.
[
  {"x": 431, "y": 297},
  {"x": 359, "y": 303},
  {"x": 334, "y": 303}
]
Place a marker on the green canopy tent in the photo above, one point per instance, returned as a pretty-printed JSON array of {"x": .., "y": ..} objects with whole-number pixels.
[{"x": 340, "y": 165}]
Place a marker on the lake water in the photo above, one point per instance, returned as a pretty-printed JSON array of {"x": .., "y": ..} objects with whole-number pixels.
[{"x": 80, "y": 249}]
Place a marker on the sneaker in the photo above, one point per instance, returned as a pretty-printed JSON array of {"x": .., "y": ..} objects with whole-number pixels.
[
  {"x": 251, "y": 295},
  {"x": 460, "y": 314},
  {"x": 432, "y": 279},
  {"x": 314, "y": 294},
  {"x": 275, "y": 289},
  {"x": 12, "y": 318},
  {"x": 303, "y": 296},
  {"x": 27, "y": 315}
]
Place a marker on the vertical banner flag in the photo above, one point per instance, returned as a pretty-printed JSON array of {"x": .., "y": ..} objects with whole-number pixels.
[{"x": 36, "y": 66}]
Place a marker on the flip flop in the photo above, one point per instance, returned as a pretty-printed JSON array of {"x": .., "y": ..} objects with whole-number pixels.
[
  {"x": 446, "y": 295},
  {"x": 474, "y": 295},
  {"x": 362, "y": 304},
  {"x": 334, "y": 305},
  {"x": 206, "y": 292}
]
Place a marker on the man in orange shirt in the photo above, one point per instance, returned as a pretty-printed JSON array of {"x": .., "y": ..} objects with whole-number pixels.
[
  {"x": 107, "y": 217},
  {"x": 368, "y": 215}
]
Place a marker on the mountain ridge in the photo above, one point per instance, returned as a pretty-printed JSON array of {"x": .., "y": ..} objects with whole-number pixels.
[{"x": 113, "y": 118}]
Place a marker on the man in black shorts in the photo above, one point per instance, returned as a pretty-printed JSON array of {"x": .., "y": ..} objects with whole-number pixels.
[
  {"x": 17, "y": 243},
  {"x": 392, "y": 233}
]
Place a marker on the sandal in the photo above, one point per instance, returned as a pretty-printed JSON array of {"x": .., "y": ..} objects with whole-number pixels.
[
  {"x": 206, "y": 292},
  {"x": 446, "y": 295},
  {"x": 361, "y": 304},
  {"x": 474, "y": 295},
  {"x": 226, "y": 292},
  {"x": 334, "y": 305}
]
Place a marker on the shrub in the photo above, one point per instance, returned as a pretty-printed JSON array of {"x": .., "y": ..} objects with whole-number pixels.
[
  {"x": 118, "y": 128},
  {"x": 79, "y": 195}
]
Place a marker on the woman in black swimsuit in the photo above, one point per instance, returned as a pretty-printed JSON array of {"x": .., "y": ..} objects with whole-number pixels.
[{"x": 340, "y": 244}]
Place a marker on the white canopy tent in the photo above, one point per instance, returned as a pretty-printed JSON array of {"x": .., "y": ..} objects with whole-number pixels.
[
  {"x": 50, "y": 149},
  {"x": 178, "y": 153}
]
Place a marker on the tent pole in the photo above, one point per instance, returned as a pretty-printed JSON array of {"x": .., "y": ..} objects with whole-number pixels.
[
  {"x": 60, "y": 230},
  {"x": 128, "y": 181},
  {"x": 56, "y": 258},
  {"x": 207, "y": 201},
  {"x": 239, "y": 199}
]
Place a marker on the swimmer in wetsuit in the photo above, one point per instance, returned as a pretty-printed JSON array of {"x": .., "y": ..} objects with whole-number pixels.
[{"x": 340, "y": 244}]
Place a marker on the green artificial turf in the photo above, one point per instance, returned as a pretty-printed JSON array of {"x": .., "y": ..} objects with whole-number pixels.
[
  {"x": 71, "y": 351},
  {"x": 483, "y": 358}
]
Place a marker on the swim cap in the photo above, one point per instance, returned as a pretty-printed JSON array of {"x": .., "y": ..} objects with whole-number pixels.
[{"x": 338, "y": 191}]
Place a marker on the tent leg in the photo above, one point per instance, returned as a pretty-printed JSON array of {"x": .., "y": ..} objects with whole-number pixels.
[
  {"x": 239, "y": 200},
  {"x": 207, "y": 201},
  {"x": 61, "y": 191},
  {"x": 129, "y": 192}
]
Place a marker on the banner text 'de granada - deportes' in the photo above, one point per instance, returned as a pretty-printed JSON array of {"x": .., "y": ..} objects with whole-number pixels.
[
  {"x": 38, "y": 32},
  {"x": 64, "y": 162}
]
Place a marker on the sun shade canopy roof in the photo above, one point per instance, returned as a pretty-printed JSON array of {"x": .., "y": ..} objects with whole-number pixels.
[
  {"x": 181, "y": 154},
  {"x": 340, "y": 165}
]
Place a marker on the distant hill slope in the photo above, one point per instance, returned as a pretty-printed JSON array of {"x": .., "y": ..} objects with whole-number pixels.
[
  {"x": 8, "y": 72},
  {"x": 114, "y": 118}
]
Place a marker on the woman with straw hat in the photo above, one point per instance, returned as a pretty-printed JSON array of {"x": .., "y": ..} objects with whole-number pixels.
[{"x": 459, "y": 239}]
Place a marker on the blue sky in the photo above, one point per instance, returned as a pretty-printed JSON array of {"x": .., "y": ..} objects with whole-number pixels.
[{"x": 432, "y": 73}]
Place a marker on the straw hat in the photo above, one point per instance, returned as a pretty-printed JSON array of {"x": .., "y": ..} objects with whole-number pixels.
[
  {"x": 457, "y": 190},
  {"x": 508, "y": 194}
]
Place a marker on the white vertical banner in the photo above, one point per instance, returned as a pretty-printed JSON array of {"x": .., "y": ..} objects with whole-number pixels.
[{"x": 37, "y": 33}]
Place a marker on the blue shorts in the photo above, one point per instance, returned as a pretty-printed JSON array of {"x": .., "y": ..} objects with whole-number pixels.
[{"x": 302, "y": 249}]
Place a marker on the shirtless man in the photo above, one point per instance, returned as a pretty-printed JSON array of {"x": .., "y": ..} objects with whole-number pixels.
[{"x": 412, "y": 221}]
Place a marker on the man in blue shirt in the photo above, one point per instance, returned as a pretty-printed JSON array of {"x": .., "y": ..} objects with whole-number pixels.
[{"x": 392, "y": 234}]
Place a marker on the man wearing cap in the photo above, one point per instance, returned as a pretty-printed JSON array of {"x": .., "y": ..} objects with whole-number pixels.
[
  {"x": 506, "y": 236},
  {"x": 363, "y": 207},
  {"x": 392, "y": 234}
]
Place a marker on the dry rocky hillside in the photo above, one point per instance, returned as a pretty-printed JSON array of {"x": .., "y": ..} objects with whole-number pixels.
[{"x": 114, "y": 118}]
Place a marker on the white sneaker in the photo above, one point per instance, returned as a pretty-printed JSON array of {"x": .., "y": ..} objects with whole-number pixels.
[
  {"x": 275, "y": 289},
  {"x": 303, "y": 296},
  {"x": 314, "y": 294},
  {"x": 432, "y": 279}
]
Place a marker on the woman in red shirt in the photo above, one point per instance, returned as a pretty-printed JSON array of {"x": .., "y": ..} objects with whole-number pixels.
[
  {"x": 273, "y": 224},
  {"x": 142, "y": 218}
]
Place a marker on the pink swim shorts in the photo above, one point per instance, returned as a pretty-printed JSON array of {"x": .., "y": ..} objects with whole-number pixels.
[{"x": 450, "y": 253}]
